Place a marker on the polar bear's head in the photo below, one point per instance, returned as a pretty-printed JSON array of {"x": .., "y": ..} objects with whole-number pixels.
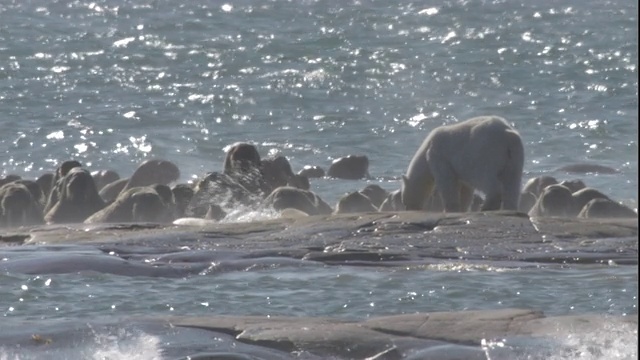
[{"x": 412, "y": 194}]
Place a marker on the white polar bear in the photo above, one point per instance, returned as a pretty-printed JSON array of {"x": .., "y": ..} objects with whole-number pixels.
[{"x": 483, "y": 153}]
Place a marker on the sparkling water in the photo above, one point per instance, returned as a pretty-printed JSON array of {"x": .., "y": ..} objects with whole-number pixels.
[{"x": 112, "y": 83}]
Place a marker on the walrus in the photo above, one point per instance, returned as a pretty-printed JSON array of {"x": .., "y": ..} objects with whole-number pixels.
[
  {"x": 290, "y": 213},
  {"x": 215, "y": 212},
  {"x": 45, "y": 181},
  {"x": 60, "y": 173},
  {"x": 583, "y": 196},
  {"x": 532, "y": 190},
  {"x": 277, "y": 172},
  {"x": 537, "y": 184},
  {"x": 588, "y": 168},
  {"x": 166, "y": 195},
  {"x": 182, "y": 195},
  {"x": 153, "y": 171},
  {"x": 78, "y": 198},
  {"x": 110, "y": 192},
  {"x": 555, "y": 200},
  {"x": 574, "y": 184},
  {"x": 35, "y": 190},
  {"x": 375, "y": 193},
  {"x": 222, "y": 190},
  {"x": 9, "y": 178},
  {"x": 240, "y": 156},
  {"x": 527, "y": 200},
  {"x": 149, "y": 172},
  {"x": 354, "y": 202},
  {"x": 606, "y": 208},
  {"x": 18, "y": 206},
  {"x": 104, "y": 177},
  {"x": 393, "y": 202},
  {"x": 303, "y": 200},
  {"x": 299, "y": 181},
  {"x": 138, "y": 204},
  {"x": 350, "y": 167},
  {"x": 149, "y": 207},
  {"x": 243, "y": 164}
]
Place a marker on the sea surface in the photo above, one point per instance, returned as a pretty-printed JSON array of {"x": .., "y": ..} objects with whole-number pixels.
[{"x": 112, "y": 83}]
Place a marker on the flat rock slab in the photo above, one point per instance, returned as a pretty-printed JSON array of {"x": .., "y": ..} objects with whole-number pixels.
[
  {"x": 427, "y": 335},
  {"x": 504, "y": 334},
  {"x": 373, "y": 238}
]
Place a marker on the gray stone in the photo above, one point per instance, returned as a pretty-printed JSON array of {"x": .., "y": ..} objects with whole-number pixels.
[{"x": 437, "y": 335}]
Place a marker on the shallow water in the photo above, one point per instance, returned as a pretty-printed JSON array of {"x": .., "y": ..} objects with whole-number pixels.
[
  {"x": 112, "y": 83},
  {"x": 304, "y": 288}
]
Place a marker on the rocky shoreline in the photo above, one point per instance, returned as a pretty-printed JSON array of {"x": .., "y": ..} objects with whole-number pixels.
[{"x": 388, "y": 237}]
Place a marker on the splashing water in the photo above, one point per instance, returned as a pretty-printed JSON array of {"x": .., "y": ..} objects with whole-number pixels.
[
  {"x": 126, "y": 345},
  {"x": 111, "y": 345},
  {"x": 611, "y": 341}
]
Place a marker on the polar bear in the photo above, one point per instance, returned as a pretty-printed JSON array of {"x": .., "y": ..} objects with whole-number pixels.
[{"x": 483, "y": 153}]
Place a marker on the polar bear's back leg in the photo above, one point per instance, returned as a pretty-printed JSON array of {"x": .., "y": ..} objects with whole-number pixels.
[
  {"x": 511, "y": 176},
  {"x": 511, "y": 198},
  {"x": 492, "y": 189}
]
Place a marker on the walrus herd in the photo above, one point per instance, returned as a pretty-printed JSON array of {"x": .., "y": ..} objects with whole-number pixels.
[{"x": 72, "y": 194}]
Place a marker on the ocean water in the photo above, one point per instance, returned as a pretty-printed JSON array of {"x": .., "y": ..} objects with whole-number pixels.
[{"x": 112, "y": 83}]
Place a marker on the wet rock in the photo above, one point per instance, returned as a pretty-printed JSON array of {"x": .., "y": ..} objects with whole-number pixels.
[
  {"x": 437, "y": 335},
  {"x": 392, "y": 238}
]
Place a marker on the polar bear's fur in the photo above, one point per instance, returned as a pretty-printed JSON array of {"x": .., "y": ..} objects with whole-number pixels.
[{"x": 483, "y": 153}]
